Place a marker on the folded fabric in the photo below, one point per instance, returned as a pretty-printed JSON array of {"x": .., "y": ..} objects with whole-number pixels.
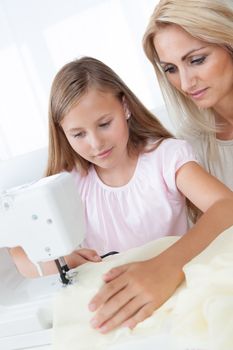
[{"x": 199, "y": 315}]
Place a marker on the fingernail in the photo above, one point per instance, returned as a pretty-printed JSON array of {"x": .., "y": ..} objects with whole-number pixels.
[
  {"x": 94, "y": 323},
  {"x": 125, "y": 324},
  {"x": 97, "y": 258},
  {"x": 129, "y": 324},
  {"x": 103, "y": 329},
  {"x": 92, "y": 307},
  {"x": 106, "y": 275}
]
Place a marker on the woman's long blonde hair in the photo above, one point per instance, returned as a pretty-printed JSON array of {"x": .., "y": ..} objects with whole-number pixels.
[
  {"x": 72, "y": 82},
  {"x": 207, "y": 20}
]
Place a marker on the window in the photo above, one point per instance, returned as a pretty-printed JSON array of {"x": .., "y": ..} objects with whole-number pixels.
[{"x": 38, "y": 37}]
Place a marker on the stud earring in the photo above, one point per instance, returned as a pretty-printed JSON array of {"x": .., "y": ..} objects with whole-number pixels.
[{"x": 128, "y": 114}]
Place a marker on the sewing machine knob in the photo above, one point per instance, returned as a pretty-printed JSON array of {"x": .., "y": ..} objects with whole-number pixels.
[
  {"x": 7, "y": 203},
  {"x": 48, "y": 250}
]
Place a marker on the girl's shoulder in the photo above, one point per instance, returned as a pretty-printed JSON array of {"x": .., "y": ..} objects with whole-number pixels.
[
  {"x": 84, "y": 183},
  {"x": 80, "y": 179},
  {"x": 75, "y": 173},
  {"x": 174, "y": 142},
  {"x": 171, "y": 154}
]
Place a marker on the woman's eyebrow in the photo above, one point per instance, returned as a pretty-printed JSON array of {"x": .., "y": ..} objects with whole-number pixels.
[
  {"x": 187, "y": 54},
  {"x": 190, "y": 52}
]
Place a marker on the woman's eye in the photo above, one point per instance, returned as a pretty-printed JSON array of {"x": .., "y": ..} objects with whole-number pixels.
[
  {"x": 169, "y": 69},
  {"x": 199, "y": 60},
  {"x": 104, "y": 125}
]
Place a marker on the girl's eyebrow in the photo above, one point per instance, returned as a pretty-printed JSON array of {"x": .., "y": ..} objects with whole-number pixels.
[
  {"x": 97, "y": 121},
  {"x": 74, "y": 129},
  {"x": 187, "y": 54},
  {"x": 103, "y": 116}
]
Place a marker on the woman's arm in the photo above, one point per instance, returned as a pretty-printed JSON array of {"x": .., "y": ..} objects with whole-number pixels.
[
  {"x": 133, "y": 291},
  {"x": 28, "y": 269},
  {"x": 201, "y": 188}
]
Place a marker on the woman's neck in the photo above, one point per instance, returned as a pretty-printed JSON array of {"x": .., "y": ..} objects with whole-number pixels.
[{"x": 224, "y": 115}]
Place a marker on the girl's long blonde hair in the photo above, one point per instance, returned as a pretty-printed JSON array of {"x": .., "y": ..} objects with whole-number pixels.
[
  {"x": 72, "y": 82},
  {"x": 207, "y": 20}
]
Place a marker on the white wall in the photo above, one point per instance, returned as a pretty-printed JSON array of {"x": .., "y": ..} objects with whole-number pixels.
[{"x": 38, "y": 36}]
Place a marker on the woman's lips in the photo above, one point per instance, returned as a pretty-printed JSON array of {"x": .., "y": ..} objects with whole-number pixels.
[{"x": 198, "y": 94}]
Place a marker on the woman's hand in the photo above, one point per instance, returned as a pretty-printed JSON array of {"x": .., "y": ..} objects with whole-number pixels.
[{"x": 132, "y": 292}]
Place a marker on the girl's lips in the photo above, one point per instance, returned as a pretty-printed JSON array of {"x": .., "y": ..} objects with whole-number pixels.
[
  {"x": 198, "y": 94},
  {"x": 104, "y": 154}
]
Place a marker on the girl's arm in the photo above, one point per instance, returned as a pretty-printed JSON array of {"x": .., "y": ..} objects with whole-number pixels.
[
  {"x": 28, "y": 269},
  {"x": 133, "y": 291}
]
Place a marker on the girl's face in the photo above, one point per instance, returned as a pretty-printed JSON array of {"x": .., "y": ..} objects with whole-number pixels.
[
  {"x": 97, "y": 129},
  {"x": 199, "y": 70}
]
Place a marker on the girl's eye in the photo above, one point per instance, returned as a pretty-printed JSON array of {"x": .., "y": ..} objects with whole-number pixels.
[
  {"x": 169, "y": 69},
  {"x": 79, "y": 134},
  {"x": 104, "y": 125},
  {"x": 199, "y": 60}
]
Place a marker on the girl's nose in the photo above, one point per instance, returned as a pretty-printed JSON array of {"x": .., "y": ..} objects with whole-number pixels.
[{"x": 95, "y": 141}]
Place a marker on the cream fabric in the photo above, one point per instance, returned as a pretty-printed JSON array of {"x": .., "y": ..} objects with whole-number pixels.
[{"x": 199, "y": 315}]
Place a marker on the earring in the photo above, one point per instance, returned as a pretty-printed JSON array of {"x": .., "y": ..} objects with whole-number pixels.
[{"x": 127, "y": 114}]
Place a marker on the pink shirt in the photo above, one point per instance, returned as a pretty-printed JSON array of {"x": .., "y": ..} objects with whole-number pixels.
[{"x": 148, "y": 207}]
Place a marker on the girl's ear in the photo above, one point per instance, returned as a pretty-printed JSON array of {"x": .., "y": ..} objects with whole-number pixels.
[{"x": 126, "y": 108}]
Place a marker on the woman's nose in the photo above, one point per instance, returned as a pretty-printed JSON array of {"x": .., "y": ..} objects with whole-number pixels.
[{"x": 187, "y": 81}]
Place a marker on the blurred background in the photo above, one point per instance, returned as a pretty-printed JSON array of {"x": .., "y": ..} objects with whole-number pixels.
[{"x": 37, "y": 37}]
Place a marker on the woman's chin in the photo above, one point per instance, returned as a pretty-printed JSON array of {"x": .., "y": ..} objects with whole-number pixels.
[{"x": 203, "y": 104}]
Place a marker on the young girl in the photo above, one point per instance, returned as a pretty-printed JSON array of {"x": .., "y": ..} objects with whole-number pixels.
[{"x": 133, "y": 178}]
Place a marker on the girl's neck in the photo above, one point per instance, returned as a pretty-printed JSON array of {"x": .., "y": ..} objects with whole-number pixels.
[{"x": 119, "y": 175}]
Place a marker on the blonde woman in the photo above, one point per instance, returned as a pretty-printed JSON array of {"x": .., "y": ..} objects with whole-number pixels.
[{"x": 190, "y": 44}]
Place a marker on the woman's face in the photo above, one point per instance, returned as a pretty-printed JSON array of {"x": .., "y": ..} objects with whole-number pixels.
[{"x": 199, "y": 70}]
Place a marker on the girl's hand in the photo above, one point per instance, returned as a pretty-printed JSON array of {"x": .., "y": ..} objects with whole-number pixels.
[
  {"x": 81, "y": 256},
  {"x": 132, "y": 292},
  {"x": 28, "y": 269}
]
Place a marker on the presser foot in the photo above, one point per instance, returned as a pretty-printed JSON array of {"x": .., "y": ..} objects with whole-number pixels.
[{"x": 63, "y": 270}]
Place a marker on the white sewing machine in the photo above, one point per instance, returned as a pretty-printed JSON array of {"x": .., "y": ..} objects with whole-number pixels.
[{"x": 46, "y": 219}]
